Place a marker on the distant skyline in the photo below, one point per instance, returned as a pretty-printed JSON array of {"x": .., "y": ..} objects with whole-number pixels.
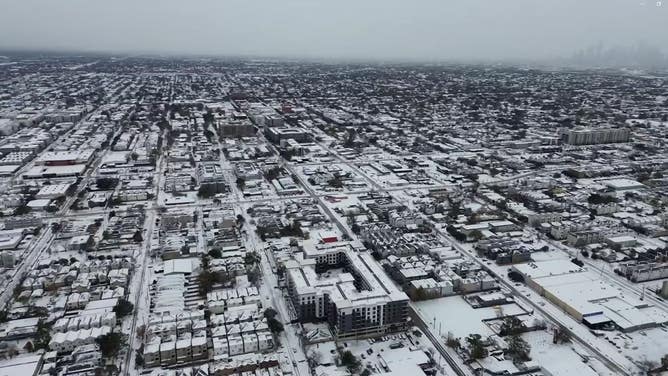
[{"x": 387, "y": 30}]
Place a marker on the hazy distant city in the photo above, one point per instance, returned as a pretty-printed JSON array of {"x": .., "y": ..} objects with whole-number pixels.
[{"x": 343, "y": 188}]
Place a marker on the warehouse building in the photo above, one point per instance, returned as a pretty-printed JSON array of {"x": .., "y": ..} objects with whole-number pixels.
[{"x": 587, "y": 298}]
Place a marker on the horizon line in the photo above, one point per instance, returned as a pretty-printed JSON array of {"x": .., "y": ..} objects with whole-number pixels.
[{"x": 559, "y": 62}]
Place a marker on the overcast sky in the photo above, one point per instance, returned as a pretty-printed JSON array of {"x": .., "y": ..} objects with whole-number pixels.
[{"x": 341, "y": 29}]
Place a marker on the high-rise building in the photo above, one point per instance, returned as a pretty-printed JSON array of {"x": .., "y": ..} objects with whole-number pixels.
[{"x": 593, "y": 136}]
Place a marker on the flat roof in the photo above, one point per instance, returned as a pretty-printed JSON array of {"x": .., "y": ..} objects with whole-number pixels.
[
  {"x": 39, "y": 203},
  {"x": 8, "y": 169},
  {"x": 622, "y": 183},
  {"x": 61, "y": 156},
  {"x": 53, "y": 189},
  {"x": 23, "y": 365},
  {"x": 622, "y": 238},
  {"x": 183, "y": 266},
  {"x": 590, "y": 296},
  {"x": 38, "y": 171},
  {"x": 541, "y": 269},
  {"x": 340, "y": 287}
]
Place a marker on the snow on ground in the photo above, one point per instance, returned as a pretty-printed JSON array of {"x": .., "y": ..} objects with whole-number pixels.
[
  {"x": 453, "y": 314},
  {"x": 324, "y": 352},
  {"x": 559, "y": 360},
  {"x": 643, "y": 345},
  {"x": 648, "y": 344},
  {"x": 401, "y": 361},
  {"x": 562, "y": 317}
]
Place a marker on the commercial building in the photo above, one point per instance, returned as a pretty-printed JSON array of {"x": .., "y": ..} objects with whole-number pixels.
[
  {"x": 45, "y": 172},
  {"x": 10, "y": 239},
  {"x": 587, "y": 298},
  {"x": 286, "y": 186},
  {"x": 53, "y": 191},
  {"x": 28, "y": 365},
  {"x": 623, "y": 184},
  {"x": 278, "y": 134},
  {"x": 644, "y": 271},
  {"x": 359, "y": 301},
  {"x": 229, "y": 128},
  {"x": 273, "y": 121},
  {"x": 16, "y": 158},
  {"x": 65, "y": 158}
]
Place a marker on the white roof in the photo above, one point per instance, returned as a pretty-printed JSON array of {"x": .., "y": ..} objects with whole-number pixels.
[
  {"x": 101, "y": 304},
  {"x": 38, "y": 171},
  {"x": 622, "y": 239},
  {"x": 53, "y": 189},
  {"x": 22, "y": 365},
  {"x": 547, "y": 268},
  {"x": 182, "y": 266},
  {"x": 622, "y": 183},
  {"x": 39, "y": 203}
]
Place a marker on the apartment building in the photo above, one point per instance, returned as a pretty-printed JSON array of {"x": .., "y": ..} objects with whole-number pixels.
[
  {"x": 346, "y": 288},
  {"x": 593, "y": 136}
]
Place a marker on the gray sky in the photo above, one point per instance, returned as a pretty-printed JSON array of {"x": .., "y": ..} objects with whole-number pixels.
[{"x": 358, "y": 29}]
